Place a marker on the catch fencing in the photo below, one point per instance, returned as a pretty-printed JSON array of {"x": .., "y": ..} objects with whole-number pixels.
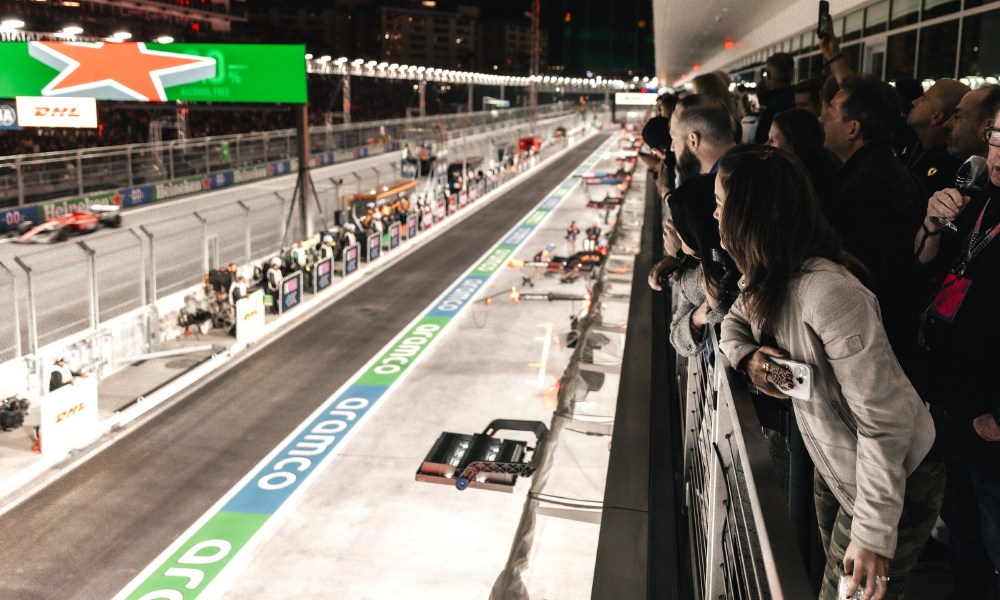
[
  {"x": 31, "y": 178},
  {"x": 118, "y": 279},
  {"x": 10, "y": 335}
]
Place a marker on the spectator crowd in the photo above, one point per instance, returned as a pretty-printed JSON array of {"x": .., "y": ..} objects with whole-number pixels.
[
  {"x": 839, "y": 224},
  {"x": 121, "y": 123}
]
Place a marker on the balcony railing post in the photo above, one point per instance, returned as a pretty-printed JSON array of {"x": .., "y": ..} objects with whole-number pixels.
[
  {"x": 79, "y": 173},
  {"x": 19, "y": 169},
  {"x": 128, "y": 165}
]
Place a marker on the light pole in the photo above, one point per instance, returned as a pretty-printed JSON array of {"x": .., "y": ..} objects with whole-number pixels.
[{"x": 536, "y": 11}]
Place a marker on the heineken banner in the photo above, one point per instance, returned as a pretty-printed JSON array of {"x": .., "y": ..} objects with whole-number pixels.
[{"x": 266, "y": 73}]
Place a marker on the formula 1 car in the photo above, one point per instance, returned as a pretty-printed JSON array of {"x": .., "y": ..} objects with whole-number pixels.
[
  {"x": 609, "y": 202},
  {"x": 568, "y": 267},
  {"x": 617, "y": 177},
  {"x": 76, "y": 222}
]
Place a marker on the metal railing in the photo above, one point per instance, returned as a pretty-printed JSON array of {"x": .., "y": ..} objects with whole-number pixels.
[
  {"x": 741, "y": 538},
  {"x": 30, "y": 178}
]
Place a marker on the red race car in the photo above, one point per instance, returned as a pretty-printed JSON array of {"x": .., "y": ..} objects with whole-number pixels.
[{"x": 77, "y": 222}]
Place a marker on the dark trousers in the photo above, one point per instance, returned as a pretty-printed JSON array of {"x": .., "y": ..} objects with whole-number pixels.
[{"x": 972, "y": 513}]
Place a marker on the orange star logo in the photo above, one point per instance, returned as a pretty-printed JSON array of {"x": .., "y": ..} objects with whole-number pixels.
[{"x": 113, "y": 71}]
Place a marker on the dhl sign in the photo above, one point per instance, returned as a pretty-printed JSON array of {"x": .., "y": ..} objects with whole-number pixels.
[
  {"x": 57, "y": 112},
  {"x": 70, "y": 412}
]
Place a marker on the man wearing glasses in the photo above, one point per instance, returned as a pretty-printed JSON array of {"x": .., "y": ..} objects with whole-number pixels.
[{"x": 961, "y": 343}]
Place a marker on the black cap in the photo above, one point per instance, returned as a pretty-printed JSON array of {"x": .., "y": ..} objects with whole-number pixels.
[{"x": 656, "y": 133}]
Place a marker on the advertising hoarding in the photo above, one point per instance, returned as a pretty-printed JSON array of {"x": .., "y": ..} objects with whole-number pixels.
[
  {"x": 69, "y": 417},
  {"x": 374, "y": 246},
  {"x": 411, "y": 225},
  {"x": 394, "y": 235},
  {"x": 291, "y": 291},
  {"x": 352, "y": 254},
  {"x": 634, "y": 99},
  {"x": 136, "y": 71},
  {"x": 36, "y": 111},
  {"x": 8, "y": 116},
  {"x": 323, "y": 274},
  {"x": 250, "y": 317}
]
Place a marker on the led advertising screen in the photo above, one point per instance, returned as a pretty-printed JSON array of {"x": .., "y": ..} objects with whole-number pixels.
[
  {"x": 411, "y": 225},
  {"x": 136, "y": 71},
  {"x": 351, "y": 255},
  {"x": 323, "y": 274},
  {"x": 291, "y": 291},
  {"x": 394, "y": 235}
]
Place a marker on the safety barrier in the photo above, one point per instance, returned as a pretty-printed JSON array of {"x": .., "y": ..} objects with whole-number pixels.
[
  {"x": 105, "y": 295},
  {"x": 10, "y": 335},
  {"x": 738, "y": 518},
  {"x": 704, "y": 516},
  {"x": 134, "y": 169}
]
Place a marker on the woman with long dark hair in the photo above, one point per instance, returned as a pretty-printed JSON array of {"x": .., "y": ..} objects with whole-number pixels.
[
  {"x": 799, "y": 132},
  {"x": 707, "y": 283},
  {"x": 863, "y": 424}
]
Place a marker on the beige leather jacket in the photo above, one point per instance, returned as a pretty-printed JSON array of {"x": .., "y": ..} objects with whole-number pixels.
[{"x": 864, "y": 426}]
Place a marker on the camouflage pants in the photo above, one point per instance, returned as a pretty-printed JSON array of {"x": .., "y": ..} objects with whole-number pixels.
[{"x": 921, "y": 505}]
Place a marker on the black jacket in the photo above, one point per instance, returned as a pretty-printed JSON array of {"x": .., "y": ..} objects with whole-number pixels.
[
  {"x": 774, "y": 101},
  {"x": 933, "y": 167},
  {"x": 964, "y": 353},
  {"x": 877, "y": 206}
]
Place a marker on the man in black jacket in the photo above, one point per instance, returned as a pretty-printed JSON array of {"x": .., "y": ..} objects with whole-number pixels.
[
  {"x": 876, "y": 205},
  {"x": 930, "y": 160},
  {"x": 962, "y": 354}
]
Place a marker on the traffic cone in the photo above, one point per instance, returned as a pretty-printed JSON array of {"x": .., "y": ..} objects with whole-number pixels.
[{"x": 38, "y": 441}]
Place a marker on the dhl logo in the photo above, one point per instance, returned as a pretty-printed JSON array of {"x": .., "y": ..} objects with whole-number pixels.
[
  {"x": 70, "y": 412},
  {"x": 47, "y": 111}
]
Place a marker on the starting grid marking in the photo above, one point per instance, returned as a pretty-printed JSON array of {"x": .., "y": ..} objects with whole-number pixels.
[{"x": 186, "y": 569}]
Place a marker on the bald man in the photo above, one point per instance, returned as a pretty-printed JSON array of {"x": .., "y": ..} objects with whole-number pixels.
[{"x": 930, "y": 161}]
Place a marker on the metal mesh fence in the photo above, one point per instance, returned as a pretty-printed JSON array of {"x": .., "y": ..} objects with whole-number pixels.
[
  {"x": 132, "y": 268},
  {"x": 101, "y": 172},
  {"x": 227, "y": 230},
  {"x": 178, "y": 253},
  {"x": 119, "y": 273},
  {"x": 9, "y": 334},
  {"x": 326, "y": 195},
  {"x": 267, "y": 218},
  {"x": 60, "y": 286}
]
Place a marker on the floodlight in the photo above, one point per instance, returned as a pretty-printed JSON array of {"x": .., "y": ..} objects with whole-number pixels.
[
  {"x": 72, "y": 30},
  {"x": 9, "y": 24},
  {"x": 483, "y": 461},
  {"x": 165, "y": 39},
  {"x": 122, "y": 35}
]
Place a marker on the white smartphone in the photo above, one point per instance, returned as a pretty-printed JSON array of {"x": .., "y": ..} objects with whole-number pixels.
[{"x": 802, "y": 379}]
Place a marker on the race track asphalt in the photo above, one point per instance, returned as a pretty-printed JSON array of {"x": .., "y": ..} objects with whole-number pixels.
[{"x": 89, "y": 533}]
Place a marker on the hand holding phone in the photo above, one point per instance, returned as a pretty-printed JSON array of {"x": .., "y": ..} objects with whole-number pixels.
[
  {"x": 791, "y": 378},
  {"x": 823, "y": 23}
]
